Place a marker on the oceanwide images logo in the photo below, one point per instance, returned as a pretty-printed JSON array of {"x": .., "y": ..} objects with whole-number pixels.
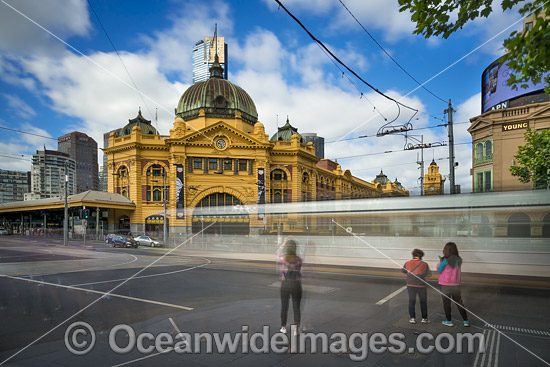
[{"x": 80, "y": 340}]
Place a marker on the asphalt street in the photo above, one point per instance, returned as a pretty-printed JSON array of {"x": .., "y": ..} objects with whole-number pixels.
[{"x": 148, "y": 296}]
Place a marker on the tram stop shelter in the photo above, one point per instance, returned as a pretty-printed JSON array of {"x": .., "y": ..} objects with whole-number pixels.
[{"x": 107, "y": 213}]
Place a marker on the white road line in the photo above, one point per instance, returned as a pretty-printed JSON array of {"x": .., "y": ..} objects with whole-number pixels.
[
  {"x": 102, "y": 293},
  {"x": 479, "y": 349},
  {"x": 387, "y": 298},
  {"x": 487, "y": 344},
  {"x": 497, "y": 351},
  {"x": 491, "y": 350},
  {"x": 147, "y": 276}
]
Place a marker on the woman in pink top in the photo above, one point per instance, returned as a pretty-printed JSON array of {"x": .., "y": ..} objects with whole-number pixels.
[
  {"x": 291, "y": 282},
  {"x": 449, "y": 282}
]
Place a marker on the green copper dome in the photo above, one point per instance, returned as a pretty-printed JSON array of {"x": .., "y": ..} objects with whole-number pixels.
[
  {"x": 285, "y": 133},
  {"x": 381, "y": 178},
  {"x": 145, "y": 125},
  {"x": 217, "y": 97}
]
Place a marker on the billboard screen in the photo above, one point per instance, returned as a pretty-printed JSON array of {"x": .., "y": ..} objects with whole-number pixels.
[{"x": 495, "y": 91}]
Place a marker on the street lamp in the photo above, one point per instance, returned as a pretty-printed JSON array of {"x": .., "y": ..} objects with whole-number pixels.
[{"x": 66, "y": 211}]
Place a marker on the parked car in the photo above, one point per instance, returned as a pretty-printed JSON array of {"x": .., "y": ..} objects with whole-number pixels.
[
  {"x": 3, "y": 232},
  {"x": 124, "y": 241},
  {"x": 109, "y": 238},
  {"x": 148, "y": 241}
]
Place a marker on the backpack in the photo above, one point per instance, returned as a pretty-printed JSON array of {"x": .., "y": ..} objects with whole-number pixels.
[{"x": 292, "y": 273}]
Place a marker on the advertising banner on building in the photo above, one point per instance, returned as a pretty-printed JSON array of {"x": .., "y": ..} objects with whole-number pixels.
[
  {"x": 261, "y": 193},
  {"x": 180, "y": 192},
  {"x": 496, "y": 93}
]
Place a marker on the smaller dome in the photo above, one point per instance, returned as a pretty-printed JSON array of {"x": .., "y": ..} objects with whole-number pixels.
[
  {"x": 381, "y": 178},
  {"x": 285, "y": 133},
  {"x": 139, "y": 120},
  {"x": 433, "y": 163}
]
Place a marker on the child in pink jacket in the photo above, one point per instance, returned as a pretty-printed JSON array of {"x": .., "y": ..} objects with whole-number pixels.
[{"x": 449, "y": 282}]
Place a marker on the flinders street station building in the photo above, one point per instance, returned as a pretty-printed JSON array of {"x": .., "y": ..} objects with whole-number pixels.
[{"x": 218, "y": 155}]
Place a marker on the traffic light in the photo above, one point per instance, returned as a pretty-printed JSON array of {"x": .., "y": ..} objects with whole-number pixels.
[{"x": 86, "y": 213}]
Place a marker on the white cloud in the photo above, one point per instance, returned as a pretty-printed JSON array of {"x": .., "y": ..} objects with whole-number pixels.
[
  {"x": 17, "y": 149},
  {"x": 64, "y": 18},
  {"x": 496, "y": 23},
  {"x": 19, "y": 107},
  {"x": 40, "y": 138},
  {"x": 373, "y": 15},
  {"x": 463, "y": 152},
  {"x": 191, "y": 23},
  {"x": 104, "y": 98}
]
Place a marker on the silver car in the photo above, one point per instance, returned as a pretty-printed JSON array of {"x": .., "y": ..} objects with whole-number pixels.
[{"x": 148, "y": 241}]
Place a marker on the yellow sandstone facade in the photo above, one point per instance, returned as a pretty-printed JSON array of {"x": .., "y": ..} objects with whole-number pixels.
[{"x": 218, "y": 155}]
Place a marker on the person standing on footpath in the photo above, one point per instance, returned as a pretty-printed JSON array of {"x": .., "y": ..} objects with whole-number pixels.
[
  {"x": 449, "y": 282},
  {"x": 290, "y": 266},
  {"x": 417, "y": 270}
]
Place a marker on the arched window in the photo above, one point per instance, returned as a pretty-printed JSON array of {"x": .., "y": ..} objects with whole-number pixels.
[
  {"x": 279, "y": 186},
  {"x": 479, "y": 151},
  {"x": 156, "y": 176},
  {"x": 519, "y": 225},
  {"x": 218, "y": 199},
  {"x": 306, "y": 189},
  {"x": 278, "y": 175},
  {"x": 155, "y": 170},
  {"x": 157, "y": 194},
  {"x": 121, "y": 181},
  {"x": 488, "y": 149}
]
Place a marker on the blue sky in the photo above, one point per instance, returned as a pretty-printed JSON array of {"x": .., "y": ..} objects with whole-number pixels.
[{"x": 75, "y": 81}]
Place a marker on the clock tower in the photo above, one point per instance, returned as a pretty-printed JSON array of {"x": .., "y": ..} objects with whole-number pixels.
[{"x": 433, "y": 181}]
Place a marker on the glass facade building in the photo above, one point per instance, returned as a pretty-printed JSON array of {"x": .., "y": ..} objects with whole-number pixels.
[{"x": 204, "y": 52}]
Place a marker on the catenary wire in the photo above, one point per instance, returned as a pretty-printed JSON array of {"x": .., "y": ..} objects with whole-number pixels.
[
  {"x": 122, "y": 62},
  {"x": 342, "y": 63},
  {"x": 386, "y": 52}
]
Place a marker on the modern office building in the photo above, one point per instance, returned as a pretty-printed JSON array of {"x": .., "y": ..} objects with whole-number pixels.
[
  {"x": 499, "y": 130},
  {"x": 14, "y": 185},
  {"x": 318, "y": 143},
  {"x": 48, "y": 174},
  {"x": 204, "y": 53},
  {"x": 83, "y": 149}
]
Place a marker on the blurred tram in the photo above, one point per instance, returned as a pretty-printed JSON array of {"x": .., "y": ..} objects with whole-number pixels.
[
  {"x": 523, "y": 214},
  {"x": 505, "y": 233}
]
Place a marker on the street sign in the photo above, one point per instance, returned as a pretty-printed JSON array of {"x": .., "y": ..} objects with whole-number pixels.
[{"x": 84, "y": 223}]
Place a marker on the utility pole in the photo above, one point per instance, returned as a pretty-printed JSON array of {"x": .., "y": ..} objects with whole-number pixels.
[
  {"x": 449, "y": 112},
  {"x": 66, "y": 211},
  {"x": 421, "y": 163}
]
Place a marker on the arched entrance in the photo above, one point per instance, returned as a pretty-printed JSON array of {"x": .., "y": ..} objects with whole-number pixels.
[
  {"x": 237, "y": 222},
  {"x": 519, "y": 225},
  {"x": 154, "y": 226},
  {"x": 483, "y": 228},
  {"x": 124, "y": 224}
]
